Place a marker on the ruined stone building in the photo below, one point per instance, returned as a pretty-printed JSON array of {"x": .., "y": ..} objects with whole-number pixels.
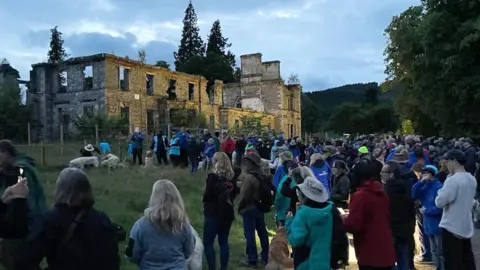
[{"x": 148, "y": 95}]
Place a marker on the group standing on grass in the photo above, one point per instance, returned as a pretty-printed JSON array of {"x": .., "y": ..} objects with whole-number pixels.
[{"x": 387, "y": 186}]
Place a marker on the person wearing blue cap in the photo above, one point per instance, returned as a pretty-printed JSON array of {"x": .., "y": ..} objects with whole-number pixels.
[{"x": 426, "y": 191}]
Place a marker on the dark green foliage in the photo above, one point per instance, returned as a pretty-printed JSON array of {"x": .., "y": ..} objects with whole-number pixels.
[
  {"x": 14, "y": 116},
  {"x": 364, "y": 119},
  {"x": 433, "y": 51},
  {"x": 327, "y": 110},
  {"x": 163, "y": 64},
  {"x": 57, "y": 53},
  {"x": 107, "y": 126},
  {"x": 7, "y": 70},
  {"x": 191, "y": 44}
]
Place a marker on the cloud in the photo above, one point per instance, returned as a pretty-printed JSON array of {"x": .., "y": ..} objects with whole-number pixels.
[{"x": 326, "y": 42}]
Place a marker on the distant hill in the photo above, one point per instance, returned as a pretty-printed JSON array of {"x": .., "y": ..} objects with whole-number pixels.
[{"x": 319, "y": 106}]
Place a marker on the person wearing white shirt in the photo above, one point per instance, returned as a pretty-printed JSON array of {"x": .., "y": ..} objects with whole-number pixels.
[{"x": 456, "y": 198}]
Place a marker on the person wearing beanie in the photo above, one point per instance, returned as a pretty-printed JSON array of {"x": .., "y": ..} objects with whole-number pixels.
[{"x": 426, "y": 191}]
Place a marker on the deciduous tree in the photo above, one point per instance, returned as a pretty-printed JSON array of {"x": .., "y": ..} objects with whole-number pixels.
[{"x": 433, "y": 52}]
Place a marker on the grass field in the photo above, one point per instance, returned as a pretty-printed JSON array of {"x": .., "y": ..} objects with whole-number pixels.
[{"x": 123, "y": 194}]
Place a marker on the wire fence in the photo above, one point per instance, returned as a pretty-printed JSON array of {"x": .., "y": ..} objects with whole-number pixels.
[{"x": 57, "y": 146}]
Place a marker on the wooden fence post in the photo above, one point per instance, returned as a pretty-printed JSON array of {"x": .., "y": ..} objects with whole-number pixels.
[
  {"x": 42, "y": 154},
  {"x": 96, "y": 135},
  {"x": 61, "y": 140},
  {"x": 29, "y": 131}
]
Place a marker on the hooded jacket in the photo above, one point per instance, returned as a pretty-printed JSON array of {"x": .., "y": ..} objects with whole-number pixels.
[
  {"x": 412, "y": 159},
  {"x": 323, "y": 173},
  {"x": 310, "y": 234},
  {"x": 369, "y": 222},
  {"x": 282, "y": 203},
  {"x": 426, "y": 192}
]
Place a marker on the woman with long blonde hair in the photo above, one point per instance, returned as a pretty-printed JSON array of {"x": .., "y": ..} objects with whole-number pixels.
[
  {"x": 218, "y": 211},
  {"x": 162, "y": 237}
]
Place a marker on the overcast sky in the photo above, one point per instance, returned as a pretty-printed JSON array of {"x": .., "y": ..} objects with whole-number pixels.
[{"x": 326, "y": 42}]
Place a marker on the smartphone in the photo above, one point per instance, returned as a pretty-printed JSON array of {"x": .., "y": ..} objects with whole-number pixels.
[
  {"x": 342, "y": 212},
  {"x": 20, "y": 174},
  {"x": 13, "y": 175}
]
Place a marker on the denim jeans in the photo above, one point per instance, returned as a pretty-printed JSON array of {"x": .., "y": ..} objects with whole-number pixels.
[
  {"x": 194, "y": 164},
  {"x": 402, "y": 253},
  {"x": 437, "y": 251},
  {"x": 212, "y": 229},
  {"x": 424, "y": 242},
  {"x": 254, "y": 220}
]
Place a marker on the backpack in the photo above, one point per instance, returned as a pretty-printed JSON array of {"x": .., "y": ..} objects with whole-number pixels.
[
  {"x": 340, "y": 244},
  {"x": 266, "y": 193}
]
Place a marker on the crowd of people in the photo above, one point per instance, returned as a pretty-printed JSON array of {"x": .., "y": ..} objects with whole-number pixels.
[{"x": 375, "y": 188}]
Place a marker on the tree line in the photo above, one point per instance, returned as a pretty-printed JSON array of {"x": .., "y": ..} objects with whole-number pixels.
[
  {"x": 433, "y": 54},
  {"x": 354, "y": 108}
]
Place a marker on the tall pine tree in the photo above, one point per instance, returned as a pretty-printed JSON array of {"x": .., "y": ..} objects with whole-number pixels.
[
  {"x": 218, "y": 44},
  {"x": 191, "y": 44},
  {"x": 219, "y": 62},
  {"x": 57, "y": 53}
]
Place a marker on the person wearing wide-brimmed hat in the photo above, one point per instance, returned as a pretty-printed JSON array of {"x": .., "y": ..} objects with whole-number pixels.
[
  {"x": 249, "y": 208},
  {"x": 89, "y": 150},
  {"x": 311, "y": 226}
]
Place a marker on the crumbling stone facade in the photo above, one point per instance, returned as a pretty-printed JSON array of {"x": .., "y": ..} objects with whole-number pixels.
[
  {"x": 147, "y": 95},
  {"x": 262, "y": 80}
]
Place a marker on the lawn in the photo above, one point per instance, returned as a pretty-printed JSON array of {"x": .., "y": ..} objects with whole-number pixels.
[{"x": 123, "y": 194}]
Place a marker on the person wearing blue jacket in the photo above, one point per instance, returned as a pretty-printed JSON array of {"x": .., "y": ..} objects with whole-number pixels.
[
  {"x": 321, "y": 170},
  {"x": 294, "y": 149},
  {"x": 418, "y": 156},
  {"x": 426, "y": 191},
  {"x": 137, "y": 146},
  {"x": 174, "y": 150},
  {"x": 310, "y": 231},
  {"x": 208, "y": 153}
]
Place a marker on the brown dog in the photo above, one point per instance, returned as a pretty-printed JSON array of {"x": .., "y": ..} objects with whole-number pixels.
[{"x": 279, "y": 252}]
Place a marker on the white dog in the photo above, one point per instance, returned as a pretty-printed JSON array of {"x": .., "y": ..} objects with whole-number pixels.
[
  {"x": 195, "y": 262},
  {"x": 82, "y": 161},
  {"x": 111, "y": 161}
]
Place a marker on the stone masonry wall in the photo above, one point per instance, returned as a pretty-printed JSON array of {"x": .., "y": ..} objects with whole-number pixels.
[{"x": 139, "y": 101}]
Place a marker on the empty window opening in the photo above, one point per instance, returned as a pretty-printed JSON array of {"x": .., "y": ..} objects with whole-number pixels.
[
  {"x": 150, "y": 121},
  {"x": 291, "y": 131},
  {"x": 149, "y": 84},
  {"x": 62, "y": 77},
  {"x": 124, "y": 75},
  {"x": 88, "y": 111},
  {"x": 211, "y": 95},
  {"x": 172, "y": 89},
  {"x": 191, "y": 91},
  {"x": 290, "y": 103},
  {"x": 238, "y": 103},
  {"x": 125, "y": 116},
  {"x": 88, "y": 78}
]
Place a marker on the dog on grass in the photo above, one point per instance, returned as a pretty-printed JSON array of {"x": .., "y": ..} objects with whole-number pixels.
[
  {"x": 82, "y": 161},
  {"x": 279, "y": 252},
  {"x": 149, "y": 160}
]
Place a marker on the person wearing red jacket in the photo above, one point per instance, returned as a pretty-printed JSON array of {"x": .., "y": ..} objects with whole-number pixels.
[
  {"x": 369, "y": 219},
  {"x": 228, "y": 145}
]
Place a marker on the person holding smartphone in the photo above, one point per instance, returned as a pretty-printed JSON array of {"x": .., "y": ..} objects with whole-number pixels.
[
  {"x": 14, "y": 211},
  {"x": 15, "y": 167}
]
